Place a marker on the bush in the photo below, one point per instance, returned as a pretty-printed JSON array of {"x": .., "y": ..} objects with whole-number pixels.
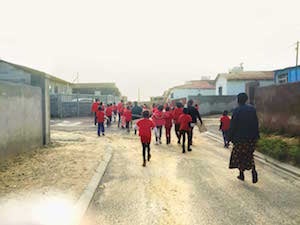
[
  {"x": 295, "y": 154},
  {"x": 275, "y": 148}
]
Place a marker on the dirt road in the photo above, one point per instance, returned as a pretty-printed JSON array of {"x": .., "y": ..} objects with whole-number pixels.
[{"x": 192, "y": 188}]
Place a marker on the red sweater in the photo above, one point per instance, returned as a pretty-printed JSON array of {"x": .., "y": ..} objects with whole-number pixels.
[
  {"x": 158, "y": 118},
  {"x": 185, "y": 120},
  {"x": 128, "y": 115},
  {"x": 225, "y": 120},
  {"x": 95, "y": 106},
  {"x": 176, "y": 113},
  {"x": 145, "y": 127},
  {"x": 168, "y": 119},
  {"x": 109, "y": 111},
  {"x": 100, "y": 116}
]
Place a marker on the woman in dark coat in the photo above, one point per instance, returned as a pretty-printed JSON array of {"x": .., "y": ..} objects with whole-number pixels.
[{"x": 243, "y": 133}]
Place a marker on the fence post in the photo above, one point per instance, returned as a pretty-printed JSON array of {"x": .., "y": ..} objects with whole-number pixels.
[{"x": 60, "y": 105}]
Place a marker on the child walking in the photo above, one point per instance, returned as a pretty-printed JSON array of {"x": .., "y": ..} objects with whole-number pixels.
[
  {"x": 159, "y": 121},
  {"x": 168, "y": 124},
  {"x": 224, "y": 127},
  {"x": 185, "y": 128},
  {"x": 128, "y": 117},
  {"x": 100, "y": 120},
  {"x": 176, "y": 114},
  {"x": 145, "y": 126}
]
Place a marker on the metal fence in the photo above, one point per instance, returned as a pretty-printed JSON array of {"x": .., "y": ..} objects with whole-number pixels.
[{"x": 76, "y": 105}]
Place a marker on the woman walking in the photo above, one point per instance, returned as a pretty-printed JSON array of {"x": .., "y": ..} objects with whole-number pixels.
[{"x": 243, "y": 133}]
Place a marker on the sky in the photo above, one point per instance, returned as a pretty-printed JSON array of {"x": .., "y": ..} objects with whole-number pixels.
[{"x": 151, "y": 45}]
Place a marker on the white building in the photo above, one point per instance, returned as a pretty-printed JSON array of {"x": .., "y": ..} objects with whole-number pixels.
[
  {"x": 235, "y": 82},
  {"x": 191, "y": 88}
]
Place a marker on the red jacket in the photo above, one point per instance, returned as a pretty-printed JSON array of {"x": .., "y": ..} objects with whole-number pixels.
[
  {"x": 158, "y": 118},
  {"x": 109, "y": 111},
  {"x": 145, "y": 127},
  {"x": 176, "y": 113},
  {"x": 225, "y": 120},
  {"x": 100, "y": 116},
  {"x": 128, "y": 115},
  {"x": 168, "y": 119},
  {"x": 120, "y": 107},
  {"x": 95, "y": 106},
  {"x": 185, "y": 120}
]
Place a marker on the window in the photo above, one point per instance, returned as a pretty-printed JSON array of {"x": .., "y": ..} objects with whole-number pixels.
[
  {"x": 220, "y": 90},
  {"x": 172, "y": 95},
  {"x": 282, "y": 78}
]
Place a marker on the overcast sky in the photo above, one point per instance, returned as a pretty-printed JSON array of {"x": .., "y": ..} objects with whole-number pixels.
[{"x": 148, "y": 44}]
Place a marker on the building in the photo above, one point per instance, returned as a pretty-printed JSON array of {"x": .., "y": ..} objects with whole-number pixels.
[
  {"x": 235, "y": 82},
  {"x": 287, "y": 75},
  {"x": 20, "y": 74},
  {"x": 96, "y": 89},
  {"x": 190, "y": 88}
]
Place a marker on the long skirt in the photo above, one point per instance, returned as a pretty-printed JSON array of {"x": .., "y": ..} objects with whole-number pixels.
[{"x": 242, "y": 155}]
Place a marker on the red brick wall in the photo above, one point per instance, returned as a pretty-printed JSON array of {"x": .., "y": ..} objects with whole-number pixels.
[{"x": 278, "y": 107}]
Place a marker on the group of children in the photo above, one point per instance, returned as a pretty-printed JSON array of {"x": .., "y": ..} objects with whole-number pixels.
[{"x": 155, "y": 119}]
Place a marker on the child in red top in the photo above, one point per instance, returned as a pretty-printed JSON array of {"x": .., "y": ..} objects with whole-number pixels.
[
  {"x": 100, "y": 120},
  {"x": 109, "y": 112},
  {"x": 145, "y": 126},
  {"x": 159, "y": 121},
  {"x": 185, "y": 128},
  {"x": 94, "y": 109},
  {"x": 176, "y": 113},
  {"x": 224, "y": 127},
  {"x": 128, "y": 117},
  {"x": 120, "y": 109},
  {"x": 168, "y": 124}
]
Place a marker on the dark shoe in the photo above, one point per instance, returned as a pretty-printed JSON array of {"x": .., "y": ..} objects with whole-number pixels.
[
  {"x": 183, "y": 150},
  {"x": 241, "y": 176},
  {"x": 149, "y": 157},
  {"x": 254, "y": 177},
  {"x": 103, "y": 134},
  {"x": 189, "y": 149},
  {"x": 178, "y": 142},
  {"x": 144, "y": 164}
]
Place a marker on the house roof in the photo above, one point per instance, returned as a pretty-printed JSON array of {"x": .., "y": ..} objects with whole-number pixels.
[
  {"x": 287, "y": 68},
  {"x": 248, "y": 75},
  {"x": 196, "y": 84},
  {"x": 35, "y": 72}
]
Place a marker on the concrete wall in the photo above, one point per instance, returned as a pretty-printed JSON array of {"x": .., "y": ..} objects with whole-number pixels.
[
  {"x": 214, "y": 104},
  {"x": 278, "y": 107},
  {"x": 21, "y": 118}
]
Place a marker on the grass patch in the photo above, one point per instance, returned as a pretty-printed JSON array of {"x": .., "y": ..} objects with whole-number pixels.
[{"x": 284, "y": 149}]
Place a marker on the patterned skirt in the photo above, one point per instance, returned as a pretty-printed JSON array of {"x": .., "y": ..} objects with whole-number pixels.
[{"x": 242, "y": 155}]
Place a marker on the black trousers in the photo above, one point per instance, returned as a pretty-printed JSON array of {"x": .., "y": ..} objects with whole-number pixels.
[
  {"x": 108, "y": 122},
  {"x": 177, "y": 132},
  {"x": 184, "y": 134},
  {"x": 127, "y": 125},
  {"x": 191, "y": 135},
  {"x": 119, "y": 119},
  {"x": 146, "y": 146},
  {"x": 159, "y": 129},
  {"x": 95, "y": 118}
]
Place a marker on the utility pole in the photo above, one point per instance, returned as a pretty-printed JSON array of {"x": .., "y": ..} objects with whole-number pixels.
[
  {"x": 297, "y": 51},
  {"x": 139, "y": 95}
]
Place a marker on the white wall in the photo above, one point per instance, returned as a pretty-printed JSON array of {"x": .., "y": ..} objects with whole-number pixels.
[
  {"x": 235, "y": 87},
  {"x": 184, "y": 93},
  {"x": 221, "y": 82}
]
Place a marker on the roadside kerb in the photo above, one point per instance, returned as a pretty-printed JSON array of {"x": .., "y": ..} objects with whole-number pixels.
[
  {"x": 86, "y": 197},
  {"x": 283, "y": 167}
]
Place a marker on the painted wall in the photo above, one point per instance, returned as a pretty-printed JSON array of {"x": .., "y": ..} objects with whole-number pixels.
[
  {"x": 21, "y": 118},
  {"x": 278, "y": 107},
  {"x": 214, "y": 104},
  {"x": 234, "y": 87},
  {"x": 293, "y": 74},
  {"x": 184, "y": 93}
]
